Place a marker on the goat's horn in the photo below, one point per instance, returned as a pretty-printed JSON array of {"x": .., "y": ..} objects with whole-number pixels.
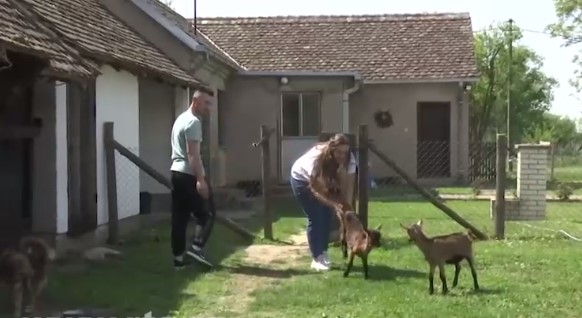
[
  {"x": 378, "y": 227},
  {"x": 404, "y": 227}
]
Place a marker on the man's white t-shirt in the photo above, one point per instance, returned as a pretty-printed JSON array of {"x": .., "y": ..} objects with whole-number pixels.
[{"x": 303, "y": 167}]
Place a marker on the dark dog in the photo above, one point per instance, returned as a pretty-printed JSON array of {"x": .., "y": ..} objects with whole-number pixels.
[{"x": 24, "y": 269}]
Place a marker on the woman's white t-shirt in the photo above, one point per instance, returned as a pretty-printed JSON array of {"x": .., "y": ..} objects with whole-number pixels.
[{"x": 303, "y": 167}]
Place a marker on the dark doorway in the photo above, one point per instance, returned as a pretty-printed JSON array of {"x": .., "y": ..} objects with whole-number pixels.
[
  {"x": 81, "y": 138},
  {"x": 433, "y": 152},
  {"x": 17, "y": 131}
]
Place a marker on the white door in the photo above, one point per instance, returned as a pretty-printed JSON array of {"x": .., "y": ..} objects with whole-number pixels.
[{"x": 300, "y": 126}]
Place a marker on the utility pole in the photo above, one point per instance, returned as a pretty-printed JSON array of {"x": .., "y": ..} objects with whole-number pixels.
[
  {"x": 509, "y": 81},
  {"x": 195, "y": 27}
]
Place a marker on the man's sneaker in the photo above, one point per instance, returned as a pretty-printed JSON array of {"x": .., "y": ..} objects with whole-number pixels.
[
  {"x": 196, "y": 253},
  {"x": 179, "y": 263},
  {"x": 318, "y": 265},
  {"x": 325, "y": 259}
]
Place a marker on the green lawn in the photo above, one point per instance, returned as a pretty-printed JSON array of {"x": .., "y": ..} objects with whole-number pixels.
[{"x": 534, "y": 273}]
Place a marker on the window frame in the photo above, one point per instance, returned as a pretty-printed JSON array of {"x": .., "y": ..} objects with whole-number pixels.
[{"x": 301, "y": 94}]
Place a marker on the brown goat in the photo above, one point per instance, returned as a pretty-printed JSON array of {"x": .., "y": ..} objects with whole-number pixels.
[
  {"x": 444, "y": 249},
  {"x": 357, "y": 240}
]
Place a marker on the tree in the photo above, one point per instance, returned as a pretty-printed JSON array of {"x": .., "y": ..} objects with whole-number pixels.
[
  {"x": 569, "y": 28},
  {"x": 559, "y": 130},
  {"x": 531, "y": 89}
]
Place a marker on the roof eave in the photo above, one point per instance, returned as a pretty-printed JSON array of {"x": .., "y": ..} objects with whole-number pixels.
[
  {"x": 355, "y": 75},
  {"x": 176, "y": 31},
  {"x": 423, "y": 81}
]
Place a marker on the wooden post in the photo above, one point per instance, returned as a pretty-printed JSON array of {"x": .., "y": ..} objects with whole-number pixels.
[
  {"x": 266, "y": 182},
  {"x": 363, "y": 173},
  {"x": 278, "y": 141},
  {"x": 500, "y": 186},
  {"x": 108, "y": 140}
]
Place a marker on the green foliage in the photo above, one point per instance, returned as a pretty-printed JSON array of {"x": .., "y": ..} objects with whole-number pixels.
[
  {"x": 569, "y": 28},
  {"x": 531, "y": 88},
  {"x": 557, "y": 129}
]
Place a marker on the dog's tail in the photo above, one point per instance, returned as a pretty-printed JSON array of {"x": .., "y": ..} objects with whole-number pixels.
[{"x": 37, "y": 250}]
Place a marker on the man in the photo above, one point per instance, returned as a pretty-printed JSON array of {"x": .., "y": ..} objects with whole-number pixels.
[{"x": 191, "y": 193}]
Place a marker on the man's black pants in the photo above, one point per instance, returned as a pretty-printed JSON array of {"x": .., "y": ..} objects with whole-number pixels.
[{"x": 186, "y": 201}]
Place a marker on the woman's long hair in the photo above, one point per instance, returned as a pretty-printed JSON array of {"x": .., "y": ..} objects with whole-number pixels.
[{"x": 325, "y": 176}]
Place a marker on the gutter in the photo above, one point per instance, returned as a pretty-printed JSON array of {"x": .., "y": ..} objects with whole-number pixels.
[
  {"x": 346, "y": 104},
  {"x": 299, "y": 73},
  {"x": 423, "y": 81}
]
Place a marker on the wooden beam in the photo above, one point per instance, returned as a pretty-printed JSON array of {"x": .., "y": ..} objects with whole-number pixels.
[
  {"x": 19, "y": 132},
  {"x": 168, "y": 184},
  {"x": 448, "y": 211}
]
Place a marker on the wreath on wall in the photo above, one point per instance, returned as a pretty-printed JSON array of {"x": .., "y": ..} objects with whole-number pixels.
[{"x": 383, "y": 118}]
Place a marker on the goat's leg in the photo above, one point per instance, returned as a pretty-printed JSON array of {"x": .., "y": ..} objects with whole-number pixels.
[
  {"x": 457, "y": 271},
  {"x": 365, "y": 265},
  {"x": 473, "y": 272},
  {"x": 431, "y": 279},
  {"x": 344, "y": 245},
  {"x": 443, "y": 278},
  {"x": 350, "y": 264}
]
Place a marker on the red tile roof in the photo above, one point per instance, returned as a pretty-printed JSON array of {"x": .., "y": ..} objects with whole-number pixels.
[
  {"x": 101, "y": 36},
  {"x": 23, "y": 31},
  {"x": 379, "y": 47}
]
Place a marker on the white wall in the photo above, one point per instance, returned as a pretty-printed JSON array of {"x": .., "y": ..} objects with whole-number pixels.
[
  {"x": 62, "y": 157},
  {"x": 180, "y": 101},
  {"x": 117, "y": 99}
]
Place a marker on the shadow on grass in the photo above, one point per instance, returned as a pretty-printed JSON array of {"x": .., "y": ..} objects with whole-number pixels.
[
  {"x": 381, "y": 272},
  {"x": 265, "y": 272},
  {"x": 143, "y": 280},
  {"x": 393, "y": 244}
]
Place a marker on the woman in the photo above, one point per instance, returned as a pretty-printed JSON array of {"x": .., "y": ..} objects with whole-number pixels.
[{"x": 313, "y": 177}]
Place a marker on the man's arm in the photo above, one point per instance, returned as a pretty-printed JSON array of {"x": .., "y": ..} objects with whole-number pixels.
[{"x": 193, "y": 139}]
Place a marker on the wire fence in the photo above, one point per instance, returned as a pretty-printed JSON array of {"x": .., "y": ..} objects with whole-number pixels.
[
  {"x": 465, "y": 185},
  {"x": 468, "y": 188},
  {"x": 137, "y": 191}
]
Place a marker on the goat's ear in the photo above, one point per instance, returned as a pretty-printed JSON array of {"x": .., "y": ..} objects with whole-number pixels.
[
  {"x": 404, "y": 227},
  {"x": 419, "y": 223},
  {"x": 378, "y": 227}
]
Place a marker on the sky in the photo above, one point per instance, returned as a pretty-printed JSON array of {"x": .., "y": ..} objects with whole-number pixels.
[{"x": 532, "y": 16}]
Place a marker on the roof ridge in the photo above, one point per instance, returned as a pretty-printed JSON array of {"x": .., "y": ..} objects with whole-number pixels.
[{"x": 386, "y": 17}]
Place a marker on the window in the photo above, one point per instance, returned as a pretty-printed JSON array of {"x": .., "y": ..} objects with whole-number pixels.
[{"x": 300, "y": 114}]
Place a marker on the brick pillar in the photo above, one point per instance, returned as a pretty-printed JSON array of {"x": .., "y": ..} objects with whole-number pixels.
[{"x": 532, "y": 175}]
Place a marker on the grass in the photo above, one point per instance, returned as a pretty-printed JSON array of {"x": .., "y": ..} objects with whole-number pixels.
[
  {"x": 534, "y": 273},
  {"x": 528, "y": 275}
]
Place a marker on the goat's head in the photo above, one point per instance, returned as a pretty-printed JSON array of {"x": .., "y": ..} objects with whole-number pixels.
[
  {"x": 375, "y": 236},
  {"x": 414, "y": 231}
]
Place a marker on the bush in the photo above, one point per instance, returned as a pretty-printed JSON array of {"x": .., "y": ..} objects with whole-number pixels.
[{"x": 564, "y": 191}]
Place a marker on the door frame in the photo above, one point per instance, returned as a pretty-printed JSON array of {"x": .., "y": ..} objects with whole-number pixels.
[{"x": 448, "y": 106}]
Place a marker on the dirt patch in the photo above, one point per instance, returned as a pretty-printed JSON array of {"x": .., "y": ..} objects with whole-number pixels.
[{"x": 264, "y": 265}]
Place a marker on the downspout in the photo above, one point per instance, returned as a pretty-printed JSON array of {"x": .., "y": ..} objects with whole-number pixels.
[{"x": 346, "y": 104}]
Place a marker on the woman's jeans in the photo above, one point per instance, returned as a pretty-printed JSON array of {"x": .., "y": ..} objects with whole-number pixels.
[{"x": 318, "y": 217}]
